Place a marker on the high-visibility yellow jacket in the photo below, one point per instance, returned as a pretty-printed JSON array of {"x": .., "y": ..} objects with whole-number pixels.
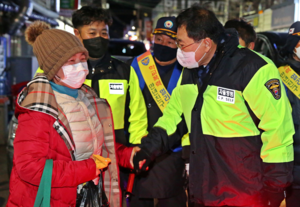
[{"x": 240, "y": 128}]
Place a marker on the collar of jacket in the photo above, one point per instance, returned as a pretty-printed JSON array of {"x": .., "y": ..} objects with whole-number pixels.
[
  {"x": 231, "y": 41},
  {"x": 46, "y": 103},
  {"x": 228, "y": 43},
  {"x": 295, "y": 65},
  {"x": 105, "y": 63}
]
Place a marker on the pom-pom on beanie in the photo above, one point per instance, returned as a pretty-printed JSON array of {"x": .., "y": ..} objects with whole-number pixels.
[{"x": 52, "y": 47}]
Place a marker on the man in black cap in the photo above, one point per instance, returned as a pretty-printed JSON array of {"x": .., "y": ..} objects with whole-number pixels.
[
  {"x": 158, "y": 74},
  {"x": 290, "y": 75},
  {"x": 247, "y": 34}
]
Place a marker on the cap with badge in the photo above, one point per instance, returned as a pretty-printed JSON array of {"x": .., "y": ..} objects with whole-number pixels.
[
  {"x": 166, "y": 26},
  {"x": 292, "y": 40},
  {"x": 295, "y": 29}
]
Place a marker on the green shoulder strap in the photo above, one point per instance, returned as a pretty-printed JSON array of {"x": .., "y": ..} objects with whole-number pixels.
[{"x": 44, "y": 191}]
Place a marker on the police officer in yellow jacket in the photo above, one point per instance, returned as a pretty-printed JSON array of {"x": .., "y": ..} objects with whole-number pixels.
[
  {"x": 112, "y": 79},
  {"x": 290, "y": 76},
  {"x": 158, "y": 74},
  {"x": 236, "y": 113}
]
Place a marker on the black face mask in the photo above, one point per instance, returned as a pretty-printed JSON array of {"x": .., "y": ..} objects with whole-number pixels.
[
  {"x": 164, "y": 53},
  {"x": 97, "y": 47}
]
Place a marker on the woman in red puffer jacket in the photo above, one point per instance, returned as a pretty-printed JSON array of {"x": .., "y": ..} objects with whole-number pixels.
[{"x": 50, "y": 129}]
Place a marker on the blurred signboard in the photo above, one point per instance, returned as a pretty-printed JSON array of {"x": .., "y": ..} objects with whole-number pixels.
[
  {"x": 283, "y": 17},
  {"x": 52, "y": 5},
  {"x": 69, "y": 4},
  {"x": 67, "y": 7},
  {"x": 253, "y": 20}
]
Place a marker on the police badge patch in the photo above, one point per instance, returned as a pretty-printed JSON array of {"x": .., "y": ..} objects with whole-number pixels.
[{"x": 273, "y": 86}]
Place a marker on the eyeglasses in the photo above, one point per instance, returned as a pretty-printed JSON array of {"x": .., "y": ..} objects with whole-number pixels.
[{"x": 182, "y": 48}]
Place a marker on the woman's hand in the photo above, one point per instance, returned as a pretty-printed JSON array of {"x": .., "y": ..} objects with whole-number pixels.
[{"x": 100, "y": 161}]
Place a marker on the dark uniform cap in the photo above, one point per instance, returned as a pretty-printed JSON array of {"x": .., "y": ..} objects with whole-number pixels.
[
  {"x": 295, "y": 29},
  {"x": 166, "y": 26}
]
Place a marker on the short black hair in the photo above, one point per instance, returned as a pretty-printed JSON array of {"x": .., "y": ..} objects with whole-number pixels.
[
  {"x": 89, "y": 14},
  {"x": 245, "y": 30},
  {"x": 200, "y": 23}
]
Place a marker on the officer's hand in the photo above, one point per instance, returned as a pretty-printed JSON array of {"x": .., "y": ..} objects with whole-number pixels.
[
  {"x": 134, "y": 151},
  {"x": 141, "y": 161},
  {"x": 274, "y": 199}
]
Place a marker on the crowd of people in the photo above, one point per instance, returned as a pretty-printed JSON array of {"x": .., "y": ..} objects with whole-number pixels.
[{"x": 203, "y": 120}]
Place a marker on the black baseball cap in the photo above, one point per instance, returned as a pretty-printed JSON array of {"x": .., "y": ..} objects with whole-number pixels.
[
  {"x": 295, "y": 29},
  {"x": 166, "y": 26}
]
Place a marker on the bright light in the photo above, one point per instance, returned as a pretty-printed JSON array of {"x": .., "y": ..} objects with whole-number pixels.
[
  {"x": 63, "y": 26},
  {"x": 126, "y": 35},
  {"x": 69, "y": 29},
  {"x": 133, "y": 27},
  {"x": 131, "y": 33},
  {"x": 147, "y": 44},
  {"x": 133, "y": 38}
]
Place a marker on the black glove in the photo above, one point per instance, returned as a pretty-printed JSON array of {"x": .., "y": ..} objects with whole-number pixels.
[
  {"x": 274, "y": 199},
  {"x": 140, "y": 156}
]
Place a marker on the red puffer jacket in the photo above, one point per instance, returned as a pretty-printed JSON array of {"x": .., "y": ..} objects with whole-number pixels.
[
  {"x": 42, "y": 135},
  {"x": 36, "y": 140},
  {"x": 30, "y": 157}
]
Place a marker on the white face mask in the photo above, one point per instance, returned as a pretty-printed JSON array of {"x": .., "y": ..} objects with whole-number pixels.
[
  {"x": 297, "y": 52},
  {"x": 75, "y": 75},
  {"x": 188, "y": 59}
]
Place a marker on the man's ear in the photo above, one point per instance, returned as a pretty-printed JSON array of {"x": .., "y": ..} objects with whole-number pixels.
[
  {"x": 76, "y": 32},
  {"x": 251, "y": 45},
  {"x": 208, "y": 44}
]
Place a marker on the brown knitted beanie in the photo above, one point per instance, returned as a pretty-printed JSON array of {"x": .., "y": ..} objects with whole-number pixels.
[{"x": 52, "y": 47}]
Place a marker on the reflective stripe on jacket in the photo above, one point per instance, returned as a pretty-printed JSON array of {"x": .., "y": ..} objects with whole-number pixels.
[
  {"x": 117, "y": 82},
  {"x": 240, "y": 128}
]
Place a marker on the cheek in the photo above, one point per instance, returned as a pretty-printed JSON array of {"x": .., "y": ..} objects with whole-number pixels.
[
  {"x": 199, "y": 54},
  {"x": 60, "y": 74},
  {"x": 173, "y": 46}
]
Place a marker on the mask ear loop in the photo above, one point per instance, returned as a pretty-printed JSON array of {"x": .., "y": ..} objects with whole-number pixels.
[
  {"x": 203, "y": 55},
  {"x": 57, "y": 78}
]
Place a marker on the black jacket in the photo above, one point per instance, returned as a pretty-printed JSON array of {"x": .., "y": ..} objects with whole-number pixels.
[
  {"x": 165, "y": 176},
  {"x": 226, "y": 166},
  {"x": 117, "y": 82},
  {"x": 295, "y": 103}
]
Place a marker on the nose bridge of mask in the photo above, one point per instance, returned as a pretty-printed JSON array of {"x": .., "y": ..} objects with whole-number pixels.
[
  {"x": 75, "y": 68},
  {"x": 78, "y": 67},
  {"x": 190, "y": 53}
]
